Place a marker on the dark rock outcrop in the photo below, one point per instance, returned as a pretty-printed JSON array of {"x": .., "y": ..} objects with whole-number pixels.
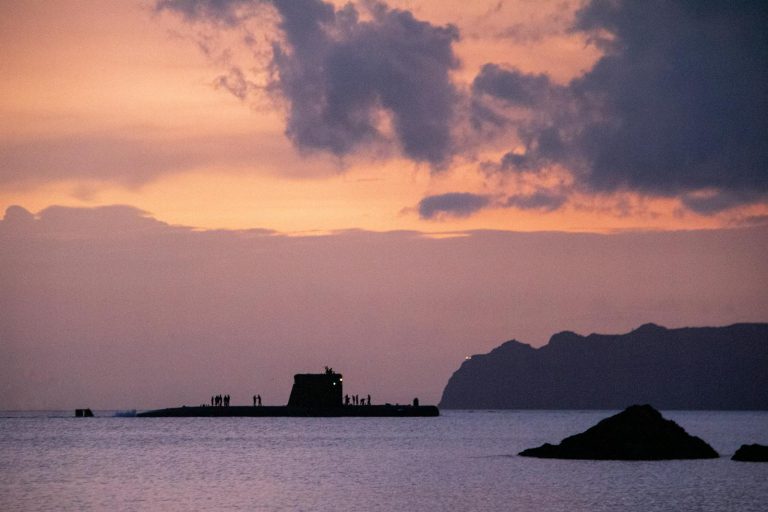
[
  {"x": 689, "y": 368},
  {"x": 751, "y": 453},
  {"x": 640, "y": 432}
]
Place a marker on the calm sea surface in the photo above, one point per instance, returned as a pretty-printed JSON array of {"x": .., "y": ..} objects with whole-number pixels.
[{"x": 460, "y": 461}]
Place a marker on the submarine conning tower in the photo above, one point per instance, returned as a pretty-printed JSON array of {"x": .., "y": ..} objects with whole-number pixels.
[{"x": 316, "y": 389}]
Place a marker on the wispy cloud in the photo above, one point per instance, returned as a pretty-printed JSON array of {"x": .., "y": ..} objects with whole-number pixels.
[{"x": 129, "y": 157}]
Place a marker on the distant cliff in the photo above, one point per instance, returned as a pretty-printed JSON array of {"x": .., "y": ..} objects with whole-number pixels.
[{"x": 690, "y": 368}]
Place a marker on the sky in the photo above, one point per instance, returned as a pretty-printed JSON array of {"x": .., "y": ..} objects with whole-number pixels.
[{"x": 207, "y": 196}]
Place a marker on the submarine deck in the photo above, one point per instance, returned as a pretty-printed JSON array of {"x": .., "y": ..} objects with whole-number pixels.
[{"x": 365, "y": 411}]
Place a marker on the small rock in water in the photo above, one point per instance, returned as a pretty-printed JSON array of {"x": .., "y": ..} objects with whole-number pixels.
[
  {"x": 639, "y": 432},
  {"x": 751, "y": 453}
]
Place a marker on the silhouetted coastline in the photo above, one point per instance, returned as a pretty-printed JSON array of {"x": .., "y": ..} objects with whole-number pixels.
[{"x": 705, "y": 368}]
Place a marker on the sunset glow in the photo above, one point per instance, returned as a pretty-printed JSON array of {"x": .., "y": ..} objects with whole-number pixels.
[
  {"x": 117, "y": 104},
  {"x": 396, "y": 185}
]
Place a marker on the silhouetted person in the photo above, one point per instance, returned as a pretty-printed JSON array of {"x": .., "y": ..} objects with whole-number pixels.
[
  {"x": 415, "y": 402},
  {"x": 211, "y": 400},
  {"x": 369, "y": 399},
  {"x": 258, "y": 399},
  {"x": 254, "y": 400},
  {"x": 346, "y": 399}
]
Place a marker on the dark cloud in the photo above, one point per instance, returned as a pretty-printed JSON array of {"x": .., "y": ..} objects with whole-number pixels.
[
  {"x": 716, "y": 202},
  {"x": 342, "y": 75},
  {"x": 511, "y": 85},
  {"x": 676, "y": 105},
  {"x": 464, "y": 204},
  {"x": 684, "y": 87},
  {"x": 544, "y": 200},
  {"x": 454, "y": 204},
  {"x": 542, "y": 147},
  {"x": 339, "y": 72}
]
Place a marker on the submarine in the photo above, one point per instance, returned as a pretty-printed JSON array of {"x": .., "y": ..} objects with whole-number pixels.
[{"x": 312, "y": 395}]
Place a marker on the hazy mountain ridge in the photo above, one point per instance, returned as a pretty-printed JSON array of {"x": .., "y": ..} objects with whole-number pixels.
[{"x": 687, "y": 368}]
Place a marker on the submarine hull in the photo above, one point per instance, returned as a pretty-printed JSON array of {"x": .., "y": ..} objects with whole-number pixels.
[{"x": 363, "y": 411}]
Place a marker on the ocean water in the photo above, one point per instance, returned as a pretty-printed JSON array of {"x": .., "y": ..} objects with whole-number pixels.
[{"x": 462, "y": 460}]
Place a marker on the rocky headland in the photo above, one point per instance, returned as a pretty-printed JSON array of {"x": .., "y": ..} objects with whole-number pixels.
[{"x": 689, "y": 368}]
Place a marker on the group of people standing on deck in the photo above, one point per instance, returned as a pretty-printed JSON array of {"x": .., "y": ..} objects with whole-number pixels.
[
  {"x": 356, "y": 400},
  {"x": 220, "y": 401},
  {"x": 223, "y": 401}
]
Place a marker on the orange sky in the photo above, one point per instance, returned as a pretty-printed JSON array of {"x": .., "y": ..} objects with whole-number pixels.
[
  {"x": 424, "y": 259},
  {"x": 113, "y": 84}
]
